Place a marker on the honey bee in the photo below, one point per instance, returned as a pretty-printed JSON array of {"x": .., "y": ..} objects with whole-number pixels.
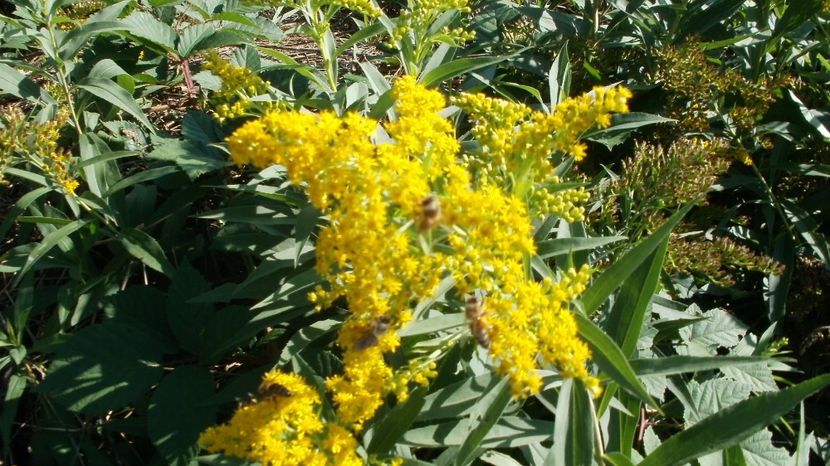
[
  {"x": 474, "y": 309},
  {"x": 269, "y": 390},
  {"x": 431, "y": 212},
  {"x": 372, "y": 336}
]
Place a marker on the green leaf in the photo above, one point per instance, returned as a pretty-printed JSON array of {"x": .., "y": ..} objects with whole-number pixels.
[
  {"x": 305, "y": 336},
  {"x": 104, "y": 367},
  {"x": 362, "y": 34},
  {"x": 704, "y": 15},
  {"x": 75, "y": 39},
  {"x": 573, "y": 435},
  {"x": 610, "y": 359},
  {"x": 559, "y": 77},
  {"x": 179, "y": 411},
  {"x": 671, "y": 365},
  {"x": 622, "y": 125},
  {"x": 145, "y": 26},
  {"x": 193, "y": 158},
  {"x": 17, "y": 84},
  {"x": 198, "y": 37},
  {"x": 509, "y": 432},
  {"x": 116, "y": 95},
  {"x": 390, "y": 428},
  {"x": 625, "y": 320},
  {"x": 456, "y": 68},
  {"x": 14, "y": 391},
  {"x": 189, "y": 320},
  {"x": 623, "y": 267},
  {"x": 146, "y": 249},
  {"x": 729, "y": 426},
  {"x": 797, "y": 14},
  {"x": 558, "y": 246},
  {"x": 49, "y": 241},
  {"x": 141, "y": 177},
  {"x": 484, "y": 416},
  {"x": 455, "y": 400}
]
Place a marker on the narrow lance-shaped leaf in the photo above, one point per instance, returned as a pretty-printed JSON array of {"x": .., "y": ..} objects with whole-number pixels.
[
  {"x": 731, "y": 425},
  {"x": 610, "y": 359},
  {"x": 616, "y": 274},
  {"x": 482, "y": 419}
]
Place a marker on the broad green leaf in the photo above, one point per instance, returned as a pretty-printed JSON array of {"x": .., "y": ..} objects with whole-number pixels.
[
  {"x": 116, "y": 95},
  {"x": 624, "y": 266},
  {"x": 76, "y": 39},
  {"x": 388, "y": 429},
  {"x": 618, "y": 459},
  {"x": 17, "y": 84},
  {"x": 719, "y": 329},
  {"x": 145, "y": 26},
  {"x": 704, "y": 15},
  {"x": 198, "y": 37},
  {"x": 146, "y": 249},
  {"x": 179, "y": 411},
  {"x": 610, "y": 359},
  {"x": 104, "y": 367},
  {"x": 20, "y": 206},
  {"x": 189, "y": 320},
  {"x": 729, "y": 426},
  {"x": 484, "y": 416}
]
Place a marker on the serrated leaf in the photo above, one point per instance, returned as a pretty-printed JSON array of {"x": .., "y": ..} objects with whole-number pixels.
[
  {"x": 188, "y": 320},
  {"x": 103, "y": 367},
  {"x": 720, "y": 329},
  {"x": 145, "y": 26},
  {"x": 179, "y": 411}
]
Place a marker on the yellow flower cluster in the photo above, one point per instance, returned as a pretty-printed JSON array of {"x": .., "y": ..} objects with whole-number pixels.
[
  {"x": 406, "y": 213},
  {"x": 284, "y": 427},
  {"x": 239, "y": 84},
  {"x": 422, "y": 13},
  {"x": 564, "y": 203},
  {"x": 39, "y": 143},
  {"x": 519, "y": 139}
]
